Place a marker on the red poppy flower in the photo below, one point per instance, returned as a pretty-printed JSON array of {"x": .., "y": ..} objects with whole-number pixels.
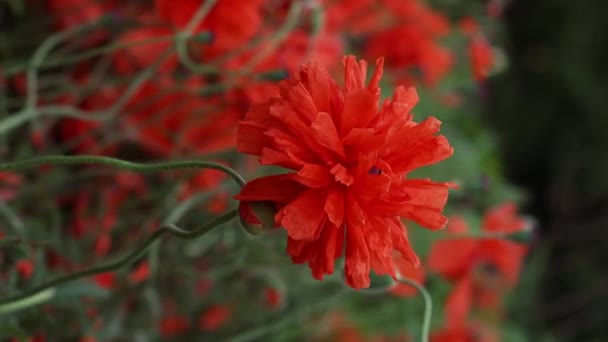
[
  {"x": 482, "y": 57},
  {"x": 103, "y": 243},
  {"x": 140, "y": 56},
  {"x": 418, "y": 13},
  {"x": 105, "y": 280},
  {"x": 482, "y": 269},
  {"x": 471, "y": 332},
  {"x": 9, "y": 182},
  {"x": 343, "y": 330},
  {"x": 71, "y": 13},
  {"x": 140, "y": 273},
  {"x": 410, "y": 48},
  {"x": 229, "y": 30},
  {"x": 468, "y": 26},
  {"x": 214, "y": 317},
  {"x": 25, "y": 268},
  {"x": 171, "y": 326},
  {"x": 350, "y": 160},
  {"x": 272, "y": 297}
]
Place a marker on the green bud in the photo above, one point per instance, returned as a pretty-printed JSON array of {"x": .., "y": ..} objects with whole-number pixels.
[{"x": 257, "y": 217}]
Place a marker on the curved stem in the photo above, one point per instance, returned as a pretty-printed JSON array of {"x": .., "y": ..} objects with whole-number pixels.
[
  {"x": 182, "y": 37},
  {"x": 428, "y": 307},
  {"x": 291, "y": 21},
  {"x": 27, "y": 302},
  {"x": 121, "y": 164},
  {"x": 143, "y": 247},
  {"x": 40, "y": 54},
  {"x": 304, "y": 312}
]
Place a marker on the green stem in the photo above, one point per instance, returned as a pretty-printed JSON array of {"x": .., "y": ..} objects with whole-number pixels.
[
  {"x": 31, "y": 111},
  {"x": 121, "y": 164},
  {"x": 428, "y": 302},
  {"x": 40, "y": 54},
  {"x": 181, "y": 41},
  {"x": 12, "y": 218},
  {"x": 9, "y": 303},
  {"x": 27, "y": 302},
  {"x": 265, "y": 329},
  {"x": 291, "y": 21},
  {"x": 90, "y": 53},
  {"x": 428, "y": 307}
]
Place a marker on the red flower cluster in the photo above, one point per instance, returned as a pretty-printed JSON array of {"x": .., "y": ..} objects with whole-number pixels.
[
  {"x": 482, "y": 269},
  {"x": 351, "y": 159},
  {"x": 159, "y": 84},
  {"x": 480, "y": 51}
]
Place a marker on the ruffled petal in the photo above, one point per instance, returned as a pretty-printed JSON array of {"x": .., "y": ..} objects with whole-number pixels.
[
  {"x": 506, "y": 256},
  {"x": 412, "y": 147},
  {"x": 401, "y": 243},
  {"x": 302, "y": 102},
  {"x": 357, "y": 262},
  {"x": 503, "y": 218},
  {"x": 314, "y": 176},
  {"x": 279, "y": 188},
  {"x": 320, "y": 254},
  {"x": 334, "y": 205},
  {"x": 459, "y": 303},
  {"x": 452, "y": 258},
  {"x": 354, "y": 73},
  {"x": 426, "y": 203},
  {"x": 378, "y": 238},
  {"x": 326, "y": 133},
  {"x": 304, "y": 217},
  {"x": 360, "y": 108}
]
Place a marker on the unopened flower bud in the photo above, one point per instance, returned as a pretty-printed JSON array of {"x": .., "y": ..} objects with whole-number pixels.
[{"x": 257, "y": 217}]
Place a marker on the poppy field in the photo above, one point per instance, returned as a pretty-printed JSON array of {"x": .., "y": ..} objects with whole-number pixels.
[{"x": 258, "y": 170}]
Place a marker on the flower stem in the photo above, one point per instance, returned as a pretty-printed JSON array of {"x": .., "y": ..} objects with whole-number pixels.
[
  {"x": 121, "y": 164},
  {"x": 307, "y": 311},
  {"x": 35, "y": 299},
  {"x": 183, "y": 36},
  {"x": 31, "y": 295},
  {"x": 428, "y": 307}
]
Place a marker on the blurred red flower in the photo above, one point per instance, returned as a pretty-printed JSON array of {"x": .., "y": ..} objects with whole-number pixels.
[
  {"x": 9, "y": 184},
  {"x": 350, "y": 161},
  {"x": 410, "y": 48},
  {"x": 71, "y": 13},
  {"x": 214, "y": 317},
  {"x": 25, "y": 267},
  {"x": 171, "y": 326},
  {"x": 272, "y": 297},
  {"x": 229, "y": 30},
  {"x": 471, "y": 332},
  {"x": 140, "y": 273},
  {"x": 482, "y": 57},
  {"x": 482, "y": 269},
  {"x": 105, "y": 280},
  {"x": 143, "y": 51}
]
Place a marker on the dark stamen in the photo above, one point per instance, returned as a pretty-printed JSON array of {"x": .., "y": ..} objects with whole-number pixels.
[
  {"x": 374, "y": 171},
  {"x": 489, "y": 269}
]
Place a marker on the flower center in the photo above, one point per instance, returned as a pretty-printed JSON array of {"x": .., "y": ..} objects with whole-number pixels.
[{"x": 374, "y": 171}]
